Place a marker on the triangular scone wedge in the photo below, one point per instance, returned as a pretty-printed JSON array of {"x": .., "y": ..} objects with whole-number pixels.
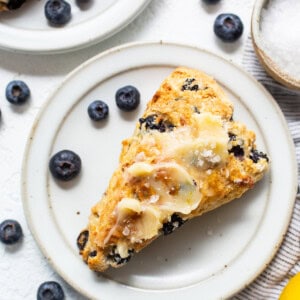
[{"x": 186, "y": 157}]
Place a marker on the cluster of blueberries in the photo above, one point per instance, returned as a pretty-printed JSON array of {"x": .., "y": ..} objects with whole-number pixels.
[
  {"x": 17, "y": 93},
  {"x": 11, "y": 233},
  {"x": 228, "y": 27},
  {"x": 64, "y": 165}
]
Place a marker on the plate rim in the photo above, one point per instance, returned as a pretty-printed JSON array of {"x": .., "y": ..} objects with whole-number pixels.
[
  {"x": 39, "y": 48},
  {"x": 125, "y": 46}
]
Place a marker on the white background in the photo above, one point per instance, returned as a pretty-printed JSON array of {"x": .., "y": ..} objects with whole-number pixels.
[{"x": 22, "y": 267}]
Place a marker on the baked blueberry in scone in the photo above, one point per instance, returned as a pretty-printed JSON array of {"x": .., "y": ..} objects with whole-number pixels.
[
  {"x": 10, "y": 4},
  {"x": 186, "y": 157}
]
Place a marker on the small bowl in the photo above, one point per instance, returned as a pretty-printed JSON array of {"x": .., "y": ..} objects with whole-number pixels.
[{"x": 269, "y": 65}]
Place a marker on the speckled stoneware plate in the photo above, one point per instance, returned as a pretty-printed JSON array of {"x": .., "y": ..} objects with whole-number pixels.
[
  {"x": 27, "y": 30},
  {"x": 215, "y": 255}
]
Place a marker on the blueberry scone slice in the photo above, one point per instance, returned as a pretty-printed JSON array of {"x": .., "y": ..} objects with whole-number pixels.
[
  {"x": 10, "y": 4},
  {"x": 186, "y": 157}
]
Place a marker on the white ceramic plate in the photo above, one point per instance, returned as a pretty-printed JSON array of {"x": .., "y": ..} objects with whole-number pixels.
[
  {"x": 213, "y": 256},
  {"x": 27, "y": 29}
]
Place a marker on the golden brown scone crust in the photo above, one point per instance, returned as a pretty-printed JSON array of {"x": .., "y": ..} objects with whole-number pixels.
[{"x": 182, "y": 100}]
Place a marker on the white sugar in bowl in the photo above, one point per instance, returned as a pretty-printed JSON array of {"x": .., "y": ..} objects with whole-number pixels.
[{"x": 275, "y": 30}]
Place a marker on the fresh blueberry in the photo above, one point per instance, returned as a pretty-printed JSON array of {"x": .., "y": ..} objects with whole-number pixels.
[
  {"x": 98, "y": 110},
  {"x": 232, "y": 136},
  {"x": 255, "y": 156},
  {"x": 211, "y": 1},
  {"x": 228, "y": 27},
  {"x": 50, "y": 290},
  {"x": 14, "y": 4},
  {"x": 82, "y": 239},
  {"x": 128, "y": 98},
  {"x": 17, "y": 92},
  {"x": 58, "y": 12},
  {"x": 237, "y": 151},
  {"x": 93, "y": 253},
  {"x": 188, "y": 85},
  {"x": 153, "y": 122},
  {"x": 116, "y": 257},
  {"x": 173, "y": 224},
  {"x": 10, "y": 232},
  {"x": 65, "y": 165}
]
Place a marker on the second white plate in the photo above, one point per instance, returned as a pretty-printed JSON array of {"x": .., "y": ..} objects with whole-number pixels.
[
  {"x": 27, "y": 30},
  {"x": 215, "y": 255}
]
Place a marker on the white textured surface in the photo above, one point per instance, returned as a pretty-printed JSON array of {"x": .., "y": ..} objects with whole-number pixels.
[{"x": 22, "y": 268}]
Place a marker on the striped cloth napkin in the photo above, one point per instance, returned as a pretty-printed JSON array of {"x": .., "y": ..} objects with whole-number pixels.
[{"x": 286, "y": 262}]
